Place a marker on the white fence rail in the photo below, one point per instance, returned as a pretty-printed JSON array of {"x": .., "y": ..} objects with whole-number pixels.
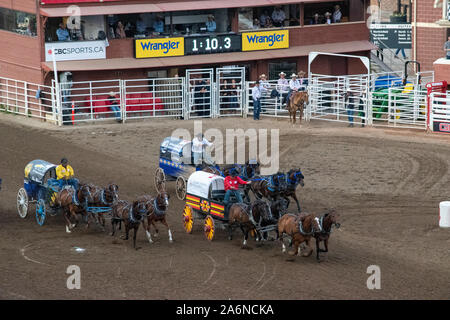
[
  {"x": 28, "y": 99},
  {"x": 378, "y": 99},
  {"x": 440, "y": 112}
]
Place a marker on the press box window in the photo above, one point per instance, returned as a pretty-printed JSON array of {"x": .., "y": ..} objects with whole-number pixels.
[{"x": 18, "y": 22}]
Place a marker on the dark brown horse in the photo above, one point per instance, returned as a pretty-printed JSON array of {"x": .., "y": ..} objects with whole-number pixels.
[
  {"x": 294, "y": 177},
  {"x": 156, "y": 208},
  {"x": 249, "y": 218},
  {"x": 103, "y": 197},
  {"x": 326, "y": 222},
  {"x": 297, "y": 101},
  {"x": 72, "y": 203},
  {"x": 131, "y": 214},
  {"x": 269, "y": 187},
  {"x": 300, "y": 228}
]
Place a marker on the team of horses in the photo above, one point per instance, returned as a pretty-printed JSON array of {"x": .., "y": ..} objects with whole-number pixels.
[
  {"x": 272, "y": 195},
  {"x": 92, "y": 203},
  {"x": 267, "y": 212}
]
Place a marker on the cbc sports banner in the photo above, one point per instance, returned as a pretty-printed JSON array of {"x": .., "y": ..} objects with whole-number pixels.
[{"x": 75, "y": 50}]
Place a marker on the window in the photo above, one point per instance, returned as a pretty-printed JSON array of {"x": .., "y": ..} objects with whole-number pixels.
[
  {"x": 86, "y": 28},
  {"x": 18, "y": 22},
  {"x": 269, "y": 17},
  {"x": 334, "y": 12},
  {"x": 277, "y": 67}
]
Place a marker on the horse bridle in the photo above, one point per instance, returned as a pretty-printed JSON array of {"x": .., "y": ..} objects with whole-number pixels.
[
  {"x": 300, "y": 227},
  {"x": 323, "y": 229}
]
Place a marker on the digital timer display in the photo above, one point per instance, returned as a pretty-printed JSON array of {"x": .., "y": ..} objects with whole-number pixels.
[{"x": 212, "y": 44}]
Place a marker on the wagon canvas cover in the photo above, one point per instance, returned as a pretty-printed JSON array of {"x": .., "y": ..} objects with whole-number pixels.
[
  {"x": 199, "y": 183},
  {"x": 37, "y": 169}
]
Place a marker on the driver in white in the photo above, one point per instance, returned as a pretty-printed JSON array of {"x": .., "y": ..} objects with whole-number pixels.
[{"x": 198, "y": 151}]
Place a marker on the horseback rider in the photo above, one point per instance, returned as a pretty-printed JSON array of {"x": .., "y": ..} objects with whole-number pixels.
[
  {"x": 65, "y": 175},
  {"x": 231, "y": 183},
  {"x": 294, "y": 86}
]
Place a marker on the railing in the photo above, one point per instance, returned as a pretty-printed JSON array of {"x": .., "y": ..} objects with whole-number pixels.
[
  {"x": 440, "y": 112},
  {"x": 28, "y": 99}
]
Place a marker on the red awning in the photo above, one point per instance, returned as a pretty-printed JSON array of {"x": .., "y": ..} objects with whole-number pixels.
[
  {"x": 208, "y": 59},
  {"x": 105, "y": 9}
]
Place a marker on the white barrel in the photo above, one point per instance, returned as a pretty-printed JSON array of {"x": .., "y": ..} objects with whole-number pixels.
[{"x": 444, "y": 214}]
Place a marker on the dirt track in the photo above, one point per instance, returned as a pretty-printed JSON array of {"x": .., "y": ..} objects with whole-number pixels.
[{"x": 386, "y": 185}]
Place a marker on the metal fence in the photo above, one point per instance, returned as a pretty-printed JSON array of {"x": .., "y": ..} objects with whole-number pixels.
[
  {"x": 378, "y": 100},
  {"x": 272, "y": 105},
  {"x": 440, "y": 111},
  {"x": 28, "y": 99}
]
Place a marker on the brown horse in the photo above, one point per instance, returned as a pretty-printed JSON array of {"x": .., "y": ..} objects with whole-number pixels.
[
  {"x": 326, "y": 222},
  {"x": 297, "y": 101},
  {"x": 103, "y": 197},
  {"x": 300, "y": 228},
  {"x": 268, "y": 187},
  {"x": 294, "y": 177},
  {"x": 130, "y": 214},
  {"x": 156, "y": 212},
  {"x": 249, "y": 217},
  {"x": 73, "y": 202}
]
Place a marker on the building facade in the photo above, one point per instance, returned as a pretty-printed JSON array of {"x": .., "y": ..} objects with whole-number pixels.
[{"x": 114, "y": 39}]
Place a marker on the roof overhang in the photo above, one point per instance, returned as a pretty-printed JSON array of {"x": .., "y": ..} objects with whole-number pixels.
[{"x": 208, "y": 59}]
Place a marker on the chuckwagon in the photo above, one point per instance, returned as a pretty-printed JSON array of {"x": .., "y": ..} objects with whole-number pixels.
[
  {"x": 204, "y": 200},
  {"x": 40, "y": 186},
  {"x": 175, "y": 164}
]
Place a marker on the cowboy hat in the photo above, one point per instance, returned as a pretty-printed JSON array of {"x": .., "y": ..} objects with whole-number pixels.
[
  {"x": 282, "y": 73},
  {"x": 112, "y": 93},
  {"x": 327, "y": 14},
  {"x": 301, "y": 73},
  {"x": 293, "y": 75},
  {"x": 262, "y": 76}
]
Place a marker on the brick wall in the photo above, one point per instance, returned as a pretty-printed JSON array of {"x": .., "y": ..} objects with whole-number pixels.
[{"x": 430, "y": 38}]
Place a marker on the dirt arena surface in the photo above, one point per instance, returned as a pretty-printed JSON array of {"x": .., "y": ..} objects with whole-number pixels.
[{"x": 386, "y": 185}]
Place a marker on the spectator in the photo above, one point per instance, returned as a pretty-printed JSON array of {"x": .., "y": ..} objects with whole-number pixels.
[
  {"x": 447, "y": 48},
  {"x": 350, "y": 100},
  {"x": 211, "y": 24},
  {"x": 337, "y": 14},
  {"x": 120, "y": 30},
  {"x": 141, "y": 26},
  {"x": 62, "y": 33},
  {"x": 158, "y": 25},
  {"x": 397, "y": 52},
  {"x": 256, "y": 95},
  {"x": 114, "y": 105},
  {"x": 303, "y": 81},
  {"x": 264, "y": 84},
  {"x": 225, "y": 94},
  {"x": 283, "y": 87},
  {"x": 269, "y": 23},
  {"x": 328, "y": 17},
  {"x": 263, "y": 18},
  {"x": 234, "y": 88},
  {"x": 256, "y": 24},
  {"x": 316, "y": 19},
  {"x": 278, "y": 17}
]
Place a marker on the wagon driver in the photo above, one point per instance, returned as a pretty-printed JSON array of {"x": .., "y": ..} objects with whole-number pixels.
[
  {"x": 231, "y": 185},
  {"x": 65, "y": 174},
  {"x": 199, "y": 143}
]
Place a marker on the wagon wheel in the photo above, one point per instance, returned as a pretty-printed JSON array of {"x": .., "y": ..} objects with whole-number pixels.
[
  {"x": 188, "y": 218},
  {"x": 40, "y": 212},
  {"x": 181, "y": 188},
  {"x": 160, "y": 179},
  {"x": 22, "y": 203},
  {"x": 209, "y": 228}
]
